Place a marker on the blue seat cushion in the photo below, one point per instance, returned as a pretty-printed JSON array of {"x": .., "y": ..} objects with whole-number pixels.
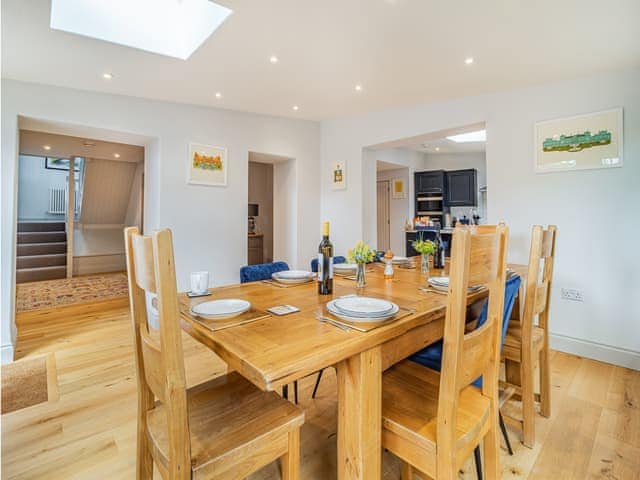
[
  {"x": 261, "y": 271},
  {"x": 431, "y": 356},
  {"x": 338, "y": 259}
]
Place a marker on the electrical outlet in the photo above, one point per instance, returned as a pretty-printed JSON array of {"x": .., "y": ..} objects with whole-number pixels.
[{"x": 572, "y": 294}]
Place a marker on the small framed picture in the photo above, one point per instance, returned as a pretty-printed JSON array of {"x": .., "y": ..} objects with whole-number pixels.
[
  {"x": 398, "y": 188},
  {"x": 207, "y": 165},
  {"x": 338, "y": 176}
]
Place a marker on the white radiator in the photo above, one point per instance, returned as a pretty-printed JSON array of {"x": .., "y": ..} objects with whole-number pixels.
[{"x": 58, "y": 201}]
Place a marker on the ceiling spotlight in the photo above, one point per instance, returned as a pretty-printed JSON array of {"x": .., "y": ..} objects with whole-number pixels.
[
  {"x": 117, "y": 155},
  {"x": 468, "y": 60},
  {"x": 273, "y": 59},
  {"x": 218, "y": 95},
  {"x": 295, "y": 107},
  {"x": 358, "y": 88},
  {"x": 47, "y": 147},
  {"x": 437, "y": 149},
  {"x": 107, "y": 76}
]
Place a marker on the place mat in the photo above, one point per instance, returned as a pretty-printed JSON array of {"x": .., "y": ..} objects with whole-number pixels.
[
  {"x": 350, "y": 275},
  {"x": 273, "y": 283},
  {"x": 214, "y": 325},
  {"x": 366, "y": 326}
]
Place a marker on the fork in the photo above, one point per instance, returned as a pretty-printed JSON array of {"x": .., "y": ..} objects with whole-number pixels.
[{"x": 332, "y": 322}]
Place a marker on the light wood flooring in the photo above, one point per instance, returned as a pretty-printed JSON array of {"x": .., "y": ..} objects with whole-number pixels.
[{"x": 89, "y": 433}]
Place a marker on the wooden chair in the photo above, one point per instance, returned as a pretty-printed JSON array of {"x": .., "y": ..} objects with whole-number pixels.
[
  {"x": 433, "y": 421},
  {"x": 527, "y": 344},
  {"x": 222, "y": 429}
]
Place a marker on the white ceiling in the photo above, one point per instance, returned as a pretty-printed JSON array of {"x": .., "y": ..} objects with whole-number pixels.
[{"x": 402, "y": 52}]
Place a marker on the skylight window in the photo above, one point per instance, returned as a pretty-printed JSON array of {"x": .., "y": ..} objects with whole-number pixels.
[
  {"x": 478, "y": 136},
  {"x": 175, "y": 28}
]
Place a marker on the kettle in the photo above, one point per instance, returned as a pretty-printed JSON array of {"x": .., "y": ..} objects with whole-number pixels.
[{"x": 447, "y": 220}]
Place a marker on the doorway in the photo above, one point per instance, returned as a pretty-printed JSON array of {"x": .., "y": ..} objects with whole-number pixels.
[
  {"x": 260, "y": 213},
  {"x": 383, "y": 197}
]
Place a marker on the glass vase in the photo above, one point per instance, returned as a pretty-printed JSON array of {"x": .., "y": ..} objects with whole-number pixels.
[
  {"x": 360, "y": 278},
  {"x": 425, "y": 264}
]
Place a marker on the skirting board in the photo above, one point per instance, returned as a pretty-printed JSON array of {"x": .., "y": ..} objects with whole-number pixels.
[
  {"x": 6, "y": 352},
  {"x": 596, "y": 351}
]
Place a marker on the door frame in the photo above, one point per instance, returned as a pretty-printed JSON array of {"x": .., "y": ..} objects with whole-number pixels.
[{"x": 387, "y": 183}]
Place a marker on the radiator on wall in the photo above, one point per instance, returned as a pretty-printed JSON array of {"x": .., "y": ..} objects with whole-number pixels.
[{"x": 58, "y": 201}]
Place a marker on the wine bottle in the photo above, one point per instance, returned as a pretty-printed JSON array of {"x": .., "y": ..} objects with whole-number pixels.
[
  {"x": 325, "y": 262},
  {"x": 438, "y": 258}
]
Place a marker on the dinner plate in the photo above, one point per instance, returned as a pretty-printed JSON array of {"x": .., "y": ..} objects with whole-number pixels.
[
  {"x": 397, "y": 259},
  {"x": 442, "y": 284},
  {"x": 292, "y": 276},
  {"x": 345, "y": 267},
  {"x": 338, "y": 313},
  {"x": 228, "y": 307},
  {"x": 363, "y": 306}
]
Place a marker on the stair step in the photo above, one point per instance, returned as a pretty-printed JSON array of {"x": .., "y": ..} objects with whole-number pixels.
[
  {"x": 28, "y": 249},
  {"x": 33, "y": 261},
  {"x": 40, "y": 273},
  {"x": 41, "y": 226},
  {"x": 41, "y": 237}
]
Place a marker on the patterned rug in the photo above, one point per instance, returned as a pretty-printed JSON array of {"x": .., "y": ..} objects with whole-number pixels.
[
  {"x": 68, "y": 291},
  {"x": 28, "y": 382}
]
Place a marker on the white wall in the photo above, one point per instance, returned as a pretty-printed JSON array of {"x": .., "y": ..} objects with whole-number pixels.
[
  {"x": 596, "y": 210},
  {"x": 33, "y": 192},
  {"x": 209, "y": 223}
]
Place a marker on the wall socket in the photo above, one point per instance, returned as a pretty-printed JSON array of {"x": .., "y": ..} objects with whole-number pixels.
[{"x": 572, "y": 294}]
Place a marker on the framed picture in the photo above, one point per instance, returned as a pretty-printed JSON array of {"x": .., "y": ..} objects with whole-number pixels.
[
  {"x": 207, "y": 165},
  {"x": 582, "y": 142},
  {"x": 60, "y": 164},
  {"x": 398, "y": 188},
  {"x": 338, "y": 176}
]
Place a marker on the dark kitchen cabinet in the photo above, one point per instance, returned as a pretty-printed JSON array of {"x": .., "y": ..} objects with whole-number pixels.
[
  {"x": 430, "y": 182},
  {"x": 462, "y": 188}
]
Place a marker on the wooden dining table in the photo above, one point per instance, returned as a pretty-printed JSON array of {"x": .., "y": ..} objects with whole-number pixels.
[{"x": 274, "y": 351}]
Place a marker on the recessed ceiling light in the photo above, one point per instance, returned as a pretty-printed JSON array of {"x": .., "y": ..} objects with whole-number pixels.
[
  {"x": 468, "y": 60},
  {"x": 218, "y": 95},
  {"x": 47, "y": 147},
  {"x": 358, "y": 88},
  {"x": 184, "y": 24},
  {"x": 478, "y": 136},
  {"x": 437, "y": 149},
  {"x": 296, "y": 108},
  {"x": 107, "y": 76},
  {"x": 273, "y": 59},
  {"x": 117, "y": 155}
]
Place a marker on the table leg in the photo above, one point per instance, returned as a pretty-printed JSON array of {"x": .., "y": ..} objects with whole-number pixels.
[{"x": 360, "y": 416}]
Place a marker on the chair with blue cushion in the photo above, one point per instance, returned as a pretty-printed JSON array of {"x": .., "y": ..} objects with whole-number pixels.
[
  {"x": 261, "y": 271},
  {"x": 431, "y": 356},
  {"x": 338, "y": 259}
]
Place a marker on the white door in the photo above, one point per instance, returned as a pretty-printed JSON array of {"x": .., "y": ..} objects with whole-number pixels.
[{"x": 383, "y": 215}]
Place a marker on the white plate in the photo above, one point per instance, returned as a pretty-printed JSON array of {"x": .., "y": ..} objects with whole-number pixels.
[
  {"x": 293, "y": 274},
  {"x": 229, "y": 307},
  {"x": 335, "y": 311},
  {"x": 363, "y": 306},
  {"x": 397, "y": 259},
  {"x": 344, "y": 267},
  {"x": 298, "y": 276},
  {"x": 442, "y": 281}
]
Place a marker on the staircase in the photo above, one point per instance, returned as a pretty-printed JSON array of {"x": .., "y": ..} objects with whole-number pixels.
[{"x": 41, "y": 251}]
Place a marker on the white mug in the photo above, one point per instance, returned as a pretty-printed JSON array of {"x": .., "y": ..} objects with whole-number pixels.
[{"x": 199, "y": 282}]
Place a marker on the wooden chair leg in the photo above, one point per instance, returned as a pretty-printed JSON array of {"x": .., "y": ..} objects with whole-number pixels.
[
  {"x": 144, "y": 460},
  {"x": 315, "y": 388},
  {"x": 528, "y": 404},
  {"x": 478, "y": 461},
  {"x": 491, "y": 450},
  {"x": 545, "y": 383},
  {"x": 290, "y": 461},
  {"x": 406, "y": 471}
]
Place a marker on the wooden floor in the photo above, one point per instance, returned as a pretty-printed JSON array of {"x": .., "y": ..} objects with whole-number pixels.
[{"x": 89, "y": 433}]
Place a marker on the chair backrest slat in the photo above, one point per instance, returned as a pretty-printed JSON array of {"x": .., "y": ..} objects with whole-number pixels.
[
  {"x": 478, "y": 257},
  {"x": 159, "y": 361}
]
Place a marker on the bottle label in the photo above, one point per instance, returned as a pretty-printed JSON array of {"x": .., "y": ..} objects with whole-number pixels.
[
  {"x": 330, "y": 267},
  {"x": 320, "y": 266}
]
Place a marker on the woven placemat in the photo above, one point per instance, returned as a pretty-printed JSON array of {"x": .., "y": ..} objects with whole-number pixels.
[
  {"x": 251, "y": 315},
  {"x": 367, "y": 326},
  {"x": 273, "y": 283}
]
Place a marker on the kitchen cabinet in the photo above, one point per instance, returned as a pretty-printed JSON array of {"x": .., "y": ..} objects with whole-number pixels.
[
  {"x": 462, "y": 188},
  {"x": 430, "y": 182}
]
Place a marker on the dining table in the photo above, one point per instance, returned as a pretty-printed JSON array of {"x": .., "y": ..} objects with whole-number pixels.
[{"x": 274, "y": 351}]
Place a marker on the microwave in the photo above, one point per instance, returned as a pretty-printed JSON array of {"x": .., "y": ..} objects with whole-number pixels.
[{"x": 429, "y": 204}]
